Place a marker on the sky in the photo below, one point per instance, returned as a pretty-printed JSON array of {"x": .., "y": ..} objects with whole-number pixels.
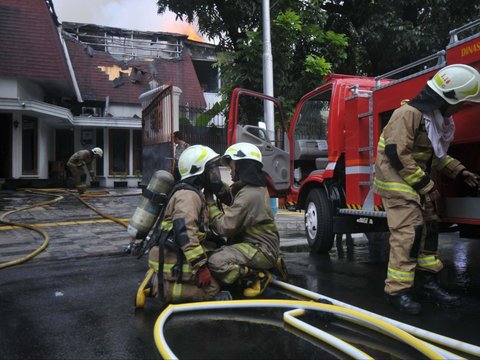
[{"x": 126, "y": 14}]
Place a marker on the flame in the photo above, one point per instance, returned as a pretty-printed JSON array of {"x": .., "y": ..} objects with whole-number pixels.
[{"x": 185, "y": 28}]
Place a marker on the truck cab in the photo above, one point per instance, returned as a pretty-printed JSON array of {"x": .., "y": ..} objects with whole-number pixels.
[{"x": 323, "y": 163}]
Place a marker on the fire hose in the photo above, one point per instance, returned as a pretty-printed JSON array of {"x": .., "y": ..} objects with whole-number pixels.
[
  {"x": 395, "y": 329},
  {"x": 58, "y": 192}
]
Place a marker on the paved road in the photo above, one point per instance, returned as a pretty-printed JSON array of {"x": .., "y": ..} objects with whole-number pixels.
[{"x": 75, "y": 300}]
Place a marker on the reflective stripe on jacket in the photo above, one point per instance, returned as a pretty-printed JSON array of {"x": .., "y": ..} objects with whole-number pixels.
[
  {"x": 80, "y": 158},
  {"x": 189, "y": 206},
  {"x": 405, "y": 157},
  {"x": 249, "y": 219}
]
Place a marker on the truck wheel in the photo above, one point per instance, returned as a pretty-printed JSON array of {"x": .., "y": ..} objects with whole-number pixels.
[{"x": 319, "y": 222}]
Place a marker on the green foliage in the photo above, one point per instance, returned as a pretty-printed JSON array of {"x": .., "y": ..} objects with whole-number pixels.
[
  {"x": 204, "y": 118},
  {"x": 315, "y": 37},
  {"x": 387, "y": 34},
  {"x": 303, "y": 52}
]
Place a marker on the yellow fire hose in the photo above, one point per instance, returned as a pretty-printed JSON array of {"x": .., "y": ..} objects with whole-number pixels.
[
  {"x": 424, "y": 334},
  {"x": 50, "y": 202},
  {"x": 290, "y": 318},
  {"x": 31, "y": 227}
]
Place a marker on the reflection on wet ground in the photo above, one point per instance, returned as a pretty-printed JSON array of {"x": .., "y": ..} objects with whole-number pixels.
[{"x": 261, "y": 334}]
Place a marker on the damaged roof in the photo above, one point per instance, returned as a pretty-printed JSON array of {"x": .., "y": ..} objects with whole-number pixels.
[{"x": 120, "y": 63}]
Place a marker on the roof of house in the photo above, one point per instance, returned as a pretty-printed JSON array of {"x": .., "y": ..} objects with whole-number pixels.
[
  {"x": 30, "y": 44},
  {"x": 105, "y": 65}
]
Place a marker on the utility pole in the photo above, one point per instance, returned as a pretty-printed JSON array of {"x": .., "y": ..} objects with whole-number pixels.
[
  {"x": 268, "y": 71},
  {"x": 268, "y": 114}
]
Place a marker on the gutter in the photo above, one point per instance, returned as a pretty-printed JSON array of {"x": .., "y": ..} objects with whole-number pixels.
[{"x": 70, "y": 67}]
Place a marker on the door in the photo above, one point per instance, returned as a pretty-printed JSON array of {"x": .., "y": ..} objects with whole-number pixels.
[{"x": 247, "y": 124}]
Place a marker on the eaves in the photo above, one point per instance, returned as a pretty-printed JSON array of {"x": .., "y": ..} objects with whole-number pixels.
[{"x": 108, "y": 122}]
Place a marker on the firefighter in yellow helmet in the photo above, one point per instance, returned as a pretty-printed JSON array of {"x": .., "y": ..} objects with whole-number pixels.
[
  {"x": 416, "y": 140},
  {"x": 252, "y": 249},
  {"x": 182, "y": 249},
  {"x": 77, "y": 163}
]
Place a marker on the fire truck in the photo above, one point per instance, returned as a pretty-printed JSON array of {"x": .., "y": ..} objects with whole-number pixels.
[{"x": 325, "y": 166}]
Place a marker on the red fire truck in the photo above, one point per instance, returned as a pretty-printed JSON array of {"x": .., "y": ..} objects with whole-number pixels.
[{"x": 327, "y": 169}]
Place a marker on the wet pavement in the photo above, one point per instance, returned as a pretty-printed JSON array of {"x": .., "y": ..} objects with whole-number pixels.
[{"x": 75, "y": 300}]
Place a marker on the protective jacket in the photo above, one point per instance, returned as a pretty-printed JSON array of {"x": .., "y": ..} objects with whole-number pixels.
[
  {"x": 249, "y": 220},
  {"x": 183, "y": 250},
  {"x": 405, "y": 158},
  {"x": 80, "y": 158}
]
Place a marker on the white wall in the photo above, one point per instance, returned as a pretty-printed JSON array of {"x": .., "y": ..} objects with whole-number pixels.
[
  {"x": 125, "y": 110},
  {"x": 8, "y": 88},
  {"x": 28, "y": 90},
  {"x": 44, "y": 139}
]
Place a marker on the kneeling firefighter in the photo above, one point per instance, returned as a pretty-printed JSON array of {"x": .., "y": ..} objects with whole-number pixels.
[
  {"x": 253, "y": 244},
  {"x": 180, "y": 255}
]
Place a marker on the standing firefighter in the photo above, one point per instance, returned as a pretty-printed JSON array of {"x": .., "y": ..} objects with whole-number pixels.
[
  {"x": 77, "y": 164},
  {"x": 182, "y": 249},
  {"x": 415, "y": 141},
  {"x": 253, "y": 242}
]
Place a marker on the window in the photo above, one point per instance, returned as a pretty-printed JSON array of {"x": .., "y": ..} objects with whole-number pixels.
[
  {"x": 207, "y": 75},
  {"x": 29, "y": 145},
  {"x": 119, "y": 149},
  {"x": 312, "y": 123}
]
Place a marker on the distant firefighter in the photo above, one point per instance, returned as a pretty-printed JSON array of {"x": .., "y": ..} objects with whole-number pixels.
[{"x": 78, "y": 162}]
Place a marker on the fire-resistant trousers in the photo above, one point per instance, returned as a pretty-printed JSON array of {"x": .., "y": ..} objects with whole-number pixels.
[
  {"x": 79, "y": 177},
  {"x": 413, "y": 242},
  {"x": 226, "y": 263}
]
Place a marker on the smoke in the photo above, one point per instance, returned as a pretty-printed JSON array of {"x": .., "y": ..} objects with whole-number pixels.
[{"x": 127, "y": 14}]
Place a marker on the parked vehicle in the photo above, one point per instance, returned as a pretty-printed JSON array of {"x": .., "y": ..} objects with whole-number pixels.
[{"x": 327, "y": 166}]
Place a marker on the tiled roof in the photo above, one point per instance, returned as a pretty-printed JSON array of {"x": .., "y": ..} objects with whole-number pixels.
[
  {"x": 29, "y": 43},
  {"x": 100, "y": 75}
]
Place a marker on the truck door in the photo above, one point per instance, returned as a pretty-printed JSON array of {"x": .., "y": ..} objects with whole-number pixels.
[{"x": 246, "y": 123}]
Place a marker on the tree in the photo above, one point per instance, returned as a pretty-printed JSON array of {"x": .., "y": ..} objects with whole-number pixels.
[
  {"x": 303, "y": 52},
  {"x": 313, "y": 37},
  {"x": 387, "y": 34}
]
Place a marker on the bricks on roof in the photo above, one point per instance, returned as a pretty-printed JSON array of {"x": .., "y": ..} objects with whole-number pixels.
[
  {"x": 95, "y": 84},
  {"x": 30, "y": 47}
]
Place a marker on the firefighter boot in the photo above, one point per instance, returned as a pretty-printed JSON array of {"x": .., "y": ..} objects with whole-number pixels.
[
  {"x": 404, "y": 302},
  {"x": 428, "y": 289},
  {"x": 144, "y": 290},
  {"x": 259, "y": 284},
  {"x": 280, "y": 269},
  {"x": 223, "y": 295}
]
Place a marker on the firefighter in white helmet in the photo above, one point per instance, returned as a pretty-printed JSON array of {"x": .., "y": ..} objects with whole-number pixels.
[
  {"x": 182, "y": 249},
  {"x": 415, "y": 141},
  {"x": 252, "y": 249},
  {"x": 78, "y": 162}
]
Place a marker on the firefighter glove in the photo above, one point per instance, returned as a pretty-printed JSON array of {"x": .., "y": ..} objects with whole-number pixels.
[
  {"x": 204, "y": 277},
  {"x": 470, "y": 178}
]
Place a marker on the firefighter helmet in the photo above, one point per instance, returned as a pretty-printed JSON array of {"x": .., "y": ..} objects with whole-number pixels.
[
  {"x": 194, "y": 159},
  {"x": 242, "y": 151},
  {"x": 456, "y": 83},
  {"x": 97, "y": 151}
]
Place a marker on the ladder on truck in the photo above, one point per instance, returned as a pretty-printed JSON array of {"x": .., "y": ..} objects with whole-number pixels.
[{"x": 368, "y": 209}]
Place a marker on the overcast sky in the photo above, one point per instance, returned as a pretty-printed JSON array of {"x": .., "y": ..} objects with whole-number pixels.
[{"x": 127, "y": 14}]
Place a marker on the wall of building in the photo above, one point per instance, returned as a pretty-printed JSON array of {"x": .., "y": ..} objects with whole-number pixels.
[{"x": 124, "y": 110}]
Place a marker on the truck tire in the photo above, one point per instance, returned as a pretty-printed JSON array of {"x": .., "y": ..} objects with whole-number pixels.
[{"x": 319, "y": 222}]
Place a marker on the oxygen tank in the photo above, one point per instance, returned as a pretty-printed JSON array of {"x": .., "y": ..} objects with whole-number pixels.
[{"x": 153, "y": 198}]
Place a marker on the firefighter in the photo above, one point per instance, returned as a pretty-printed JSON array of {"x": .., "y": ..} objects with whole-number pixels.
[
  {"x": 180, "y": 146},
  {"x": 77, "y": 163},
  {"x": 182, "y": 249},
  {"x": 414, "y": 142},
  {"x": 253, "y": 242}
]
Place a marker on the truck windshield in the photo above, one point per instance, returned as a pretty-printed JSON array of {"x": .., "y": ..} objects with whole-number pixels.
[{"x": 312, "y": 122}]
